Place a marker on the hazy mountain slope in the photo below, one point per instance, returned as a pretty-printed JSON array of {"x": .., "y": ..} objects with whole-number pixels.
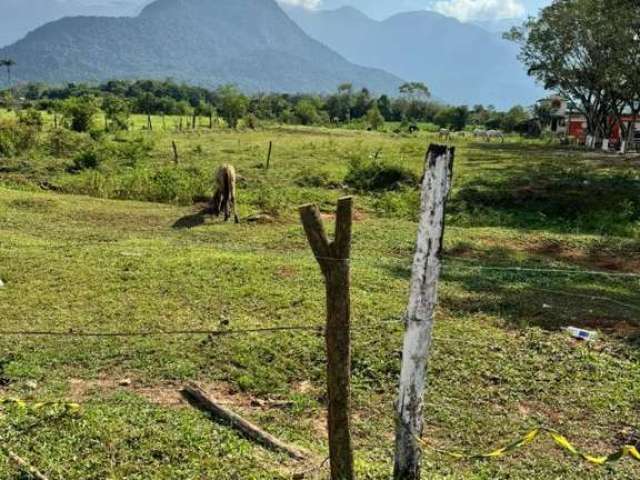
[
  {"x": 461, "y": 63},
  {"x": 18, "y": 17},
  {"x": 252, "y": 43}
]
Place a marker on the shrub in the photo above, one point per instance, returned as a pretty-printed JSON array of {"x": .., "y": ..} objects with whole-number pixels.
[
  {"x": 372, "y": 175},
  {"x": 117, "y": 113},
  {"x": 63, "y": 143},
  {"x": 251, "y": 121},
  {"x": 375, "y": 118},
  {"x": 80, "y": 111},
  {"x": 31, "y": 118},
  {"x": 177, "y": 185},
  {"x": 307, "y": 112},
  {"x": 133, "y": 151},
  {"x": 85, "y": 160},
  {"x": 16, "y": 138}
]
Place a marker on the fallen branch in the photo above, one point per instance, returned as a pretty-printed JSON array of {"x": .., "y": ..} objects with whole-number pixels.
[
  {"x": 33, "y": 471},
  {"x": 198, "y": 398}
]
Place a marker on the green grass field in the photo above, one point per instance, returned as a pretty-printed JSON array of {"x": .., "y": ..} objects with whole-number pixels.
[{"x": 123, "y": 247}]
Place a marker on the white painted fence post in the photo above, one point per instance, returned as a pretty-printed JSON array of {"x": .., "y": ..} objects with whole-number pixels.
[
  {"x": 590, "y": 143},
  {"x": 420, "y": 312}
]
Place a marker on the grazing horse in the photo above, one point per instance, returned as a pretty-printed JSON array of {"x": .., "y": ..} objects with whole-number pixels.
[
  {"x": 445, "y": 134},
  {"x": 225, "y": 197},
  {"x": 489, "y": 134}
]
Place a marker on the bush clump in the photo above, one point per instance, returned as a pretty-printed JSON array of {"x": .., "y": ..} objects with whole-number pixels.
[
  {"x": 65, "y": 143},
  {"x": 376, "y": 176},
  {"x": 16, "y": 138},
  {"x": 85, "y": 160}
]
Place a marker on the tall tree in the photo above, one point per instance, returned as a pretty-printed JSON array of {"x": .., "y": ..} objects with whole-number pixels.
[
  {"x": 563, "y": 49},
  {"x": 8, "y": 63},
  {"x": 623, "y": 79},
  {"x": 415, "y": 90}
]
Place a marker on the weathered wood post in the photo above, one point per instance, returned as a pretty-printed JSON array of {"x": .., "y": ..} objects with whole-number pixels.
[
  {"x": 420, "y": 312},
  {"x": 176, "y": 158},
  {"x": 333, "y": 258},
  {"x": 269, "y": 155}
]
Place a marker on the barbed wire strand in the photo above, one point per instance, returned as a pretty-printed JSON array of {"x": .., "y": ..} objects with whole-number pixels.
[{"x": 302, "y": 255}]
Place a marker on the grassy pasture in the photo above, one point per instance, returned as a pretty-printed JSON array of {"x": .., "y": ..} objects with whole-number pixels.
[{"x": 124, "y": 248}]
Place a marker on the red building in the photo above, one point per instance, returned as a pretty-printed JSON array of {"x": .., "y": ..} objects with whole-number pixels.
[{"x": 567, "y": 121}]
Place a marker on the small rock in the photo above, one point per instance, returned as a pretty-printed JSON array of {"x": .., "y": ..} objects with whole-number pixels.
[
  {"x": 31, "y": 384},
  {"x": 125, "y": 382},
  {"x": 1, "y": 283},
  {"x": 546, "y": 307}
]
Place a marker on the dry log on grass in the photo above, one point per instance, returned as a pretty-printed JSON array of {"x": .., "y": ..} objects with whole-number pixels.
[
  {"x": 198, "y": 397},
  {"x": 33, "y": 471}
]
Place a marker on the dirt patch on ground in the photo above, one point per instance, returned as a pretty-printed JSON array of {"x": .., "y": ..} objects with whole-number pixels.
[
  {"x": 166, "y": 394},
  {"x": 623, "y": 261},
  {"x": 528, "y": 409},
  {"x": 285, "y": 272}
]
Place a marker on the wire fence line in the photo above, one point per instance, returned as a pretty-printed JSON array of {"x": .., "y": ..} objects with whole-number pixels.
[
  {"x": 448, "y": 261},
  {"x": 316, "y": 330}
]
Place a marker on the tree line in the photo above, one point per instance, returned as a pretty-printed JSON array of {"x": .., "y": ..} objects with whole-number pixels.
[
  {"x": 358, "y": 107},
  {"x": 589, "y": 52}
]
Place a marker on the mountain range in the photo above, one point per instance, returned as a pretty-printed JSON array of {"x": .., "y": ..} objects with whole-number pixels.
[
  {"x": 251, "y": 43},
  {"x": 461, "y": 63},
  {"x": 17, "y": 17}
]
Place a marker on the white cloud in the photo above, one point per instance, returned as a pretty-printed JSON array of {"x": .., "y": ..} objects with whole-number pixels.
[
  {"x": 468, "y": 10},
  {"x": 310, "y": 4}
]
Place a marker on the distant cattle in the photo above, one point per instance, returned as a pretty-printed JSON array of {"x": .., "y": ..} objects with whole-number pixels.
[
  {"x": 224, "y": 198},
  {"x": 445, "y": 134},
  {"x": 490, "y": 134},
  {"x": 479, "y": 133}
]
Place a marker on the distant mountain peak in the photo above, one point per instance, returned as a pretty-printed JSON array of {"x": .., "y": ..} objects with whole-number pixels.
[
  {"x": 462, "y": 63},
  {"x": 251, "y": 43}
]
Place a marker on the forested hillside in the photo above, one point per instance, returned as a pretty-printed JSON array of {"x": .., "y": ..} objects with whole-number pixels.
[{"x": 251, "y": 43}]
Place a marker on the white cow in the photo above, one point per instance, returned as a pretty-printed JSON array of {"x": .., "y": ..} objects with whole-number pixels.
[
  {"x": 479, "y": 133},
  {"x": 445, "y": 134},
  {"x": 490, "y": 134}
]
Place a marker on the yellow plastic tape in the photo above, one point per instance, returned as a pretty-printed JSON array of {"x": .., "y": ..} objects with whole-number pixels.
[
  {"x": 560, "y": 440},
  {"x": 35, "y": 406}
]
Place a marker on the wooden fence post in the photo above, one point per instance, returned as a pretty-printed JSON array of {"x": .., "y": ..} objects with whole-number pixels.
[
  {"x": 333, "y": 258},
  {"x": 269, "y": 155},
  {"x": 176, "y": 157},
  {"x": 420, "y": 312}
]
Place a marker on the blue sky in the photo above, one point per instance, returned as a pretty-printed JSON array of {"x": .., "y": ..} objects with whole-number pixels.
[{"x": 465, "y": 10}]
